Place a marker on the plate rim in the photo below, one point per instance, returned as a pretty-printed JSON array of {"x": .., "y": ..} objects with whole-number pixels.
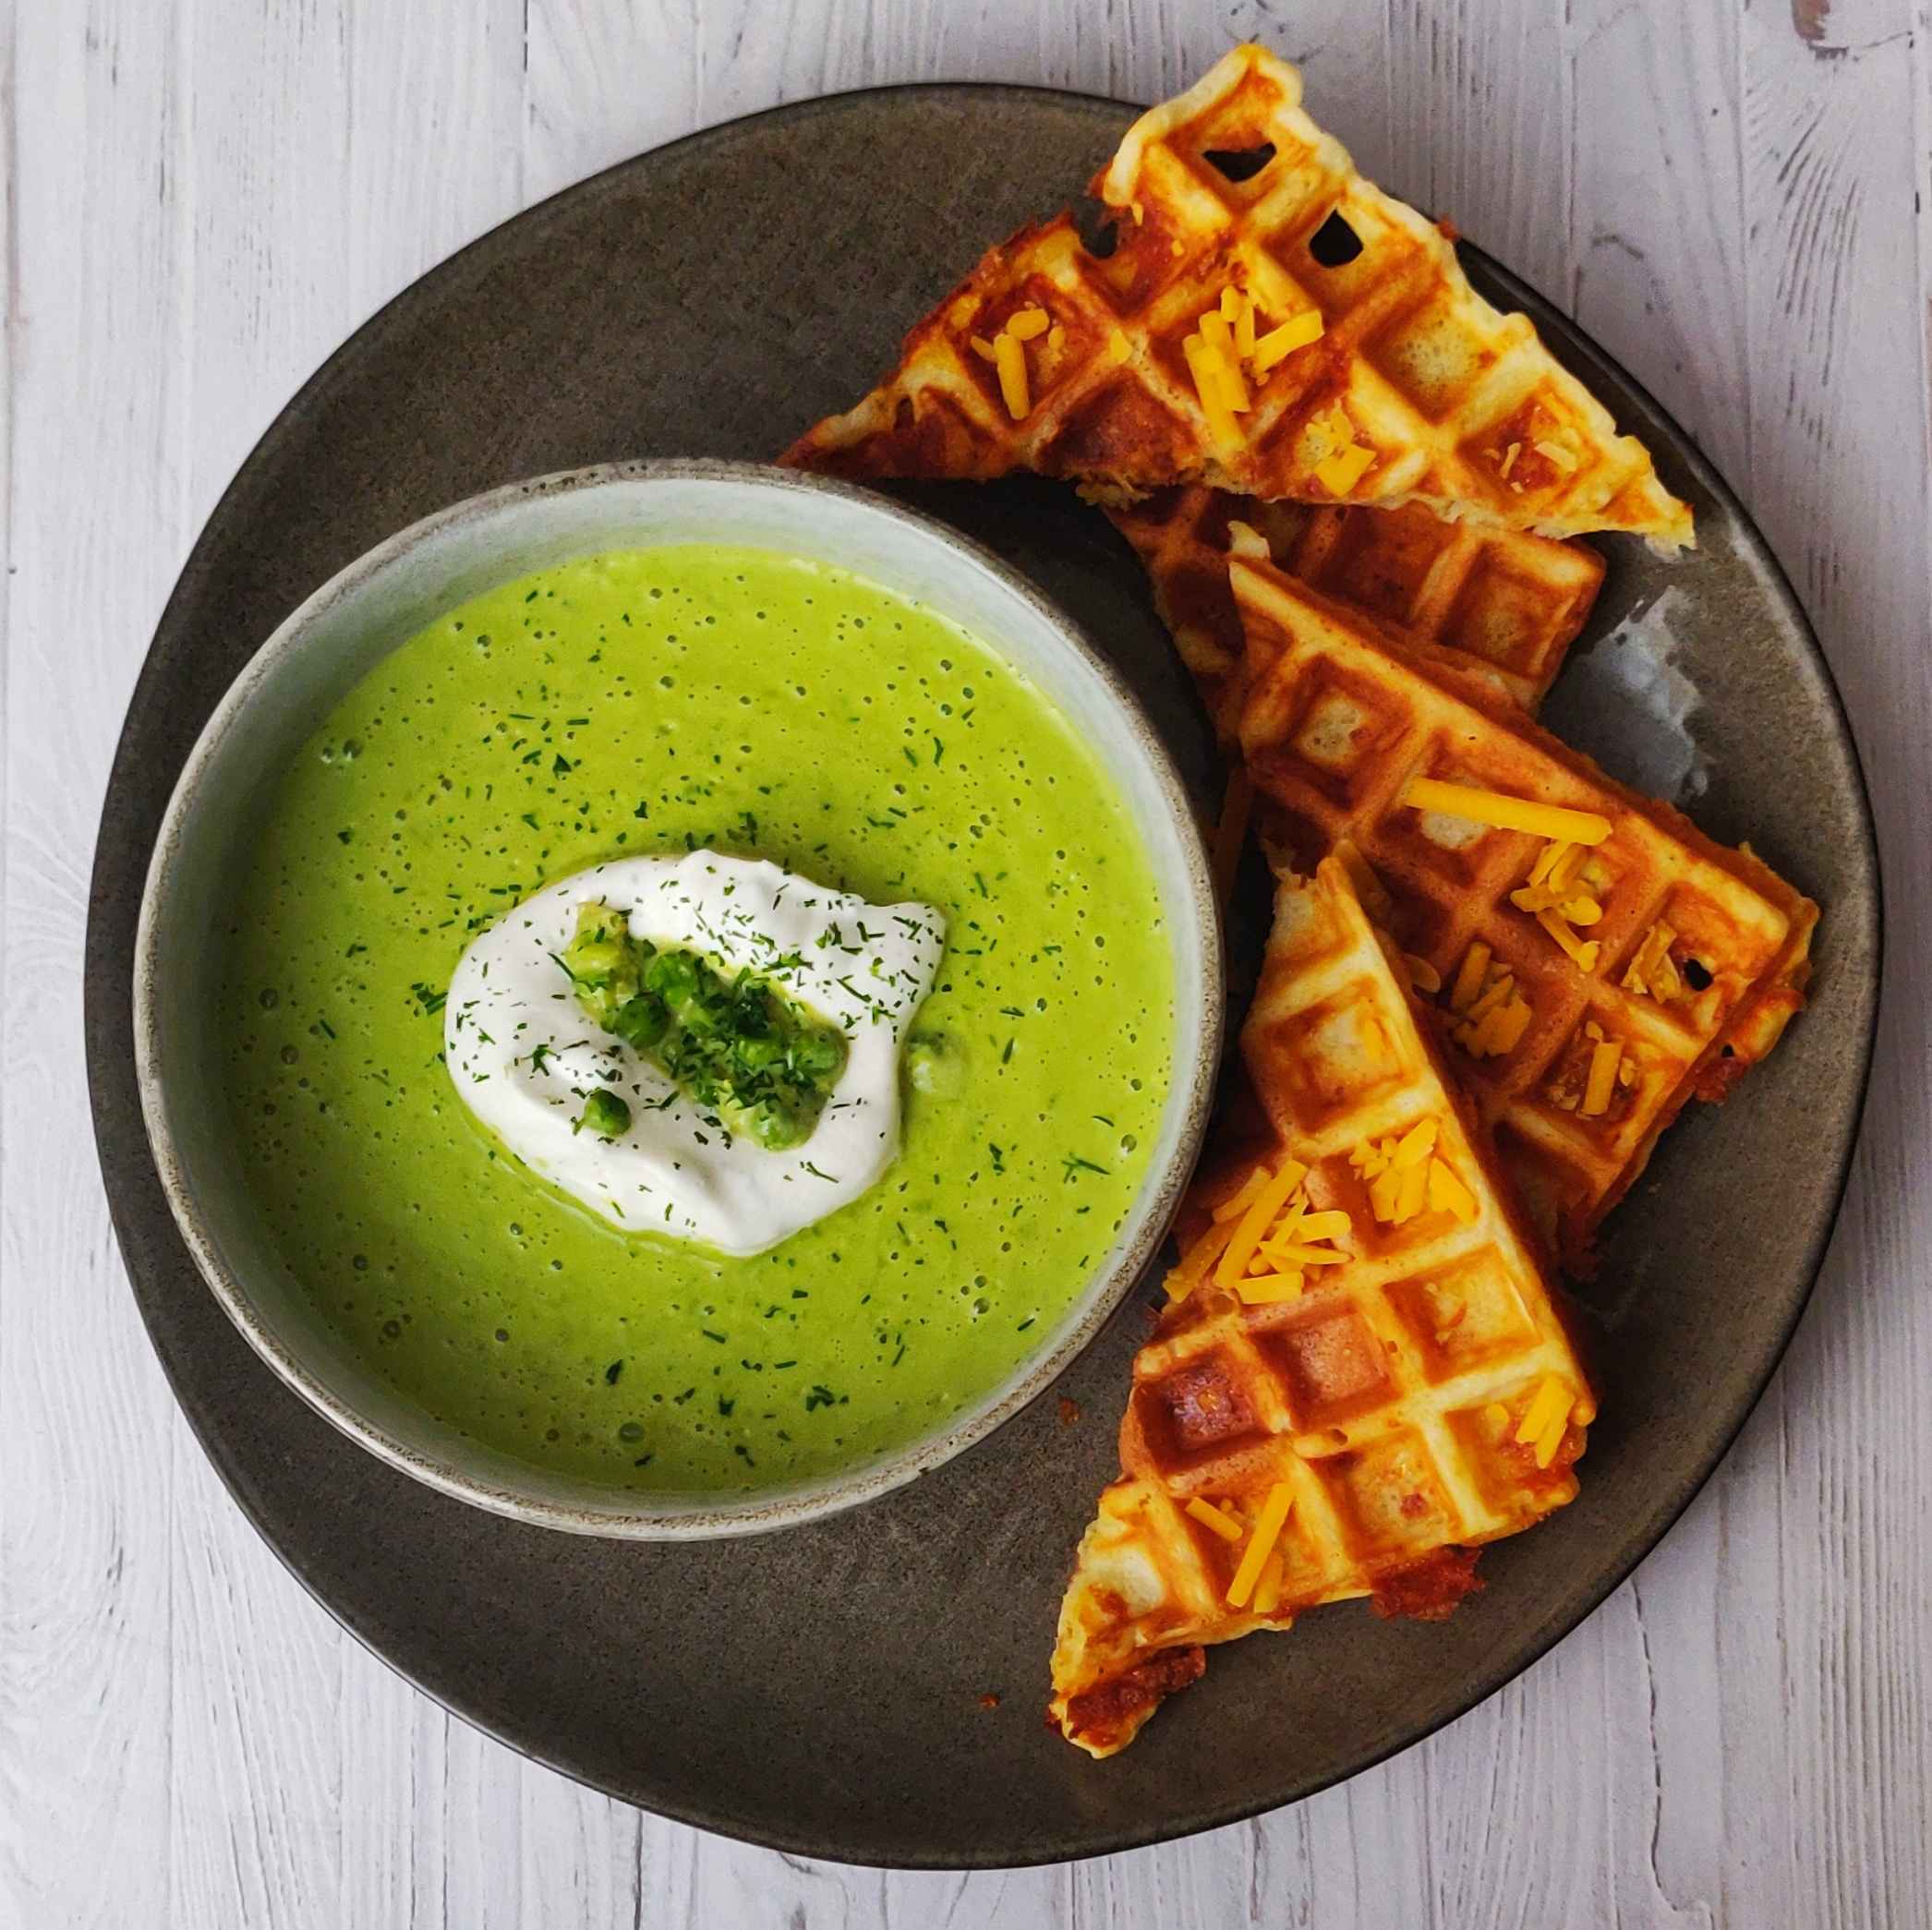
[{"x": 104, "y": 1045}]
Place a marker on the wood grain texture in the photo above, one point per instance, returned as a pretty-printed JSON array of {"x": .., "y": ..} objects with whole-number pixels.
[{"x": 202, "y": 198}]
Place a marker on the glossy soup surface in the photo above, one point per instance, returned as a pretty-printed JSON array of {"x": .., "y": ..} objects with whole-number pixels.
[{"x": 651, "y": 702}]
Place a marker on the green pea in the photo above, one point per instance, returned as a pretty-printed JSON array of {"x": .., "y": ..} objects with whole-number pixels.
[
  {"x": 605, "y": 1114},
  {"x": 641, "y": 1021}
]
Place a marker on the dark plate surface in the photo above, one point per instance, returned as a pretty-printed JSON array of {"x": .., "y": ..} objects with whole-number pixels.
[{"x": 819, "y": 1690}]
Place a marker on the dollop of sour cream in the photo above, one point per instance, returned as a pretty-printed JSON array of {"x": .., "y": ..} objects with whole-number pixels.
[{"x": 525, "y": 1056}]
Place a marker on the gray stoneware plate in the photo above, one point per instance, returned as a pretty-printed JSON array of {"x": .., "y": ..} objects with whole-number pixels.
[{"x": 820, "y": 1690}]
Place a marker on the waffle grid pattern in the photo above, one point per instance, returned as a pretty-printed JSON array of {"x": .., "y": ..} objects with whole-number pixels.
[
  {"x": 1337, "y": 723},
  {"x": 1511, "y": 603},
  {"x": 1463, "y": 407},
  {"x": 1387, "y": 1397}
]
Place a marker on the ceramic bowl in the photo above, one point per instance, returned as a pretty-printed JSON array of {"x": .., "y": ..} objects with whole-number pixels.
[{"x": 328, "y": 646}]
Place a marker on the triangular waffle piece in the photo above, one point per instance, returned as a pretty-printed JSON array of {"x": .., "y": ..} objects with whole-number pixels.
[
  {"x": 1266, "y": 322},
  {"x": 1514, "y": 603},
  {"x": 1594, "y": 970},
  {"x": 1361, "y": 1374}
]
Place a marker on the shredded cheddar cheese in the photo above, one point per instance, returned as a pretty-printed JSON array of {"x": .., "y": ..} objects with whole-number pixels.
[
  {"x": 1243, "y": 320},
  {"x": 1221, "y": 362},
  {"x": 1406, "y": 1174},
  {"x": 1007, "y": 352},
  {"x": 1255, "y": 1223},
  {"x": 1340, "y": 472},
  {"x": 1652, "y": 971},
  {"x": 1271, "y": 1289},
  {"x": 1470, "y": 978},
  {"x": 1200, "y": 1258},
  {"x": 1267, "y": 1591},
  {"x": 1492, "y": 1015},
  {"x": 1330, "y": 449},
  {"x": 1010, "y": 358},
  {"x": 1333, "y": 1225},
  {"x": 1298, "y": 1253},
  {"x": 1278, "y": 344},
  {"x": 1549, "y": 1403},
  {"x": 1215, "y": 1520},
  {"x": 1261, "y": 1240},
  {"x": 1560, "y": 898},
  {"x": 1422, "y": 975},
  {"x": 1261, "y": 1544},
  {"x": 1507, "y": 814},
  {"x": 1238, "y": 1203},
  {"x": 1556, "y": 882},
  {"x": 1604, "y": 1059},
  {"x": 1207, "y": 387},
  {"x": 1582, "y": 951}
]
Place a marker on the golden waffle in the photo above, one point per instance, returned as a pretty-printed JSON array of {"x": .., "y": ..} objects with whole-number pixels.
[
  {"x": 1643, "y": 970},
  {"x": 1414, "y": 1399},
  {"x": 1514, "y": 603},
  {"x": 1240, "y": 229}
]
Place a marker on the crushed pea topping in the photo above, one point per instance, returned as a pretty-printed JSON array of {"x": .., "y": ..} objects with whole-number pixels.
[{"x": 737, "y": 1046}]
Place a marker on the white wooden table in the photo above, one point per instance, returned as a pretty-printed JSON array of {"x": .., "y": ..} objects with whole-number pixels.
[{"x": 203, "y": 197}]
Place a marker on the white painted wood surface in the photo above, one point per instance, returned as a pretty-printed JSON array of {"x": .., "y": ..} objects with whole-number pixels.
[{"x": 202, "y": 198}]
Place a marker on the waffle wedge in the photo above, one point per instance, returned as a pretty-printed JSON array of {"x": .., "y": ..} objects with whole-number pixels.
[
  {"x": 1514, "y": 603},
  {"x": 1264, "y": 321},
  {"x": 1360, "y": 1375},
  {"x": 1593, "y": 971}
]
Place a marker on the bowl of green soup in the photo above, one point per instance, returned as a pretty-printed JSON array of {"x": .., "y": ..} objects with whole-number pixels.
[{"x": 673, "y": 1000}]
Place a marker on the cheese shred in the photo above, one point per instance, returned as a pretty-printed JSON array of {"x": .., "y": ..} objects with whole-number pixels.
[
  {"x": 1236, "y": 1204},
  {"x": 1278, "y": 344},
  {"x": 1221, "y": 359},
  {"x": 1507, "y": 814},
  {"x": 1215, "y": 1520},
  {"x": 1550, "y": 1406},
  {"x": 1220, "y": 419},
  {"x": 1602, "y": 1079},
  {"x": 1272, "y": 1289},
  {"x": 1255, "y": 1223},
  {"x": 1469, "y": 978},
  {"x": 1267, "y": 1591},
  {"x": 1010, "y": 360},
  {"x": 1261, "y": 1544}
]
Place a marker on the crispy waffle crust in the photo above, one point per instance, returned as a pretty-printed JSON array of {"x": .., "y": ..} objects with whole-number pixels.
[
  {"x": 1700, "y": 952},
  {"x": 1408, "y": 389},
  {"x": 1381, "y": 1400},
  {"x": 1514, "y": 603}
]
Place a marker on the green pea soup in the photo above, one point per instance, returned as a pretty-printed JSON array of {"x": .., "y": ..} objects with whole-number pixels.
[{"x": 656, "y": 701}]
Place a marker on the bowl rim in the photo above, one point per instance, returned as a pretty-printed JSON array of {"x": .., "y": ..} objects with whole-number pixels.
[{"x": 1196, "y": 911}]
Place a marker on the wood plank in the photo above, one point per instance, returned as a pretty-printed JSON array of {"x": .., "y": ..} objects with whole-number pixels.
[
  {"x": 1828, "y": 1536},
  {"x": 95, "y": 518},
  {"x": 256, "y": 1771}
]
